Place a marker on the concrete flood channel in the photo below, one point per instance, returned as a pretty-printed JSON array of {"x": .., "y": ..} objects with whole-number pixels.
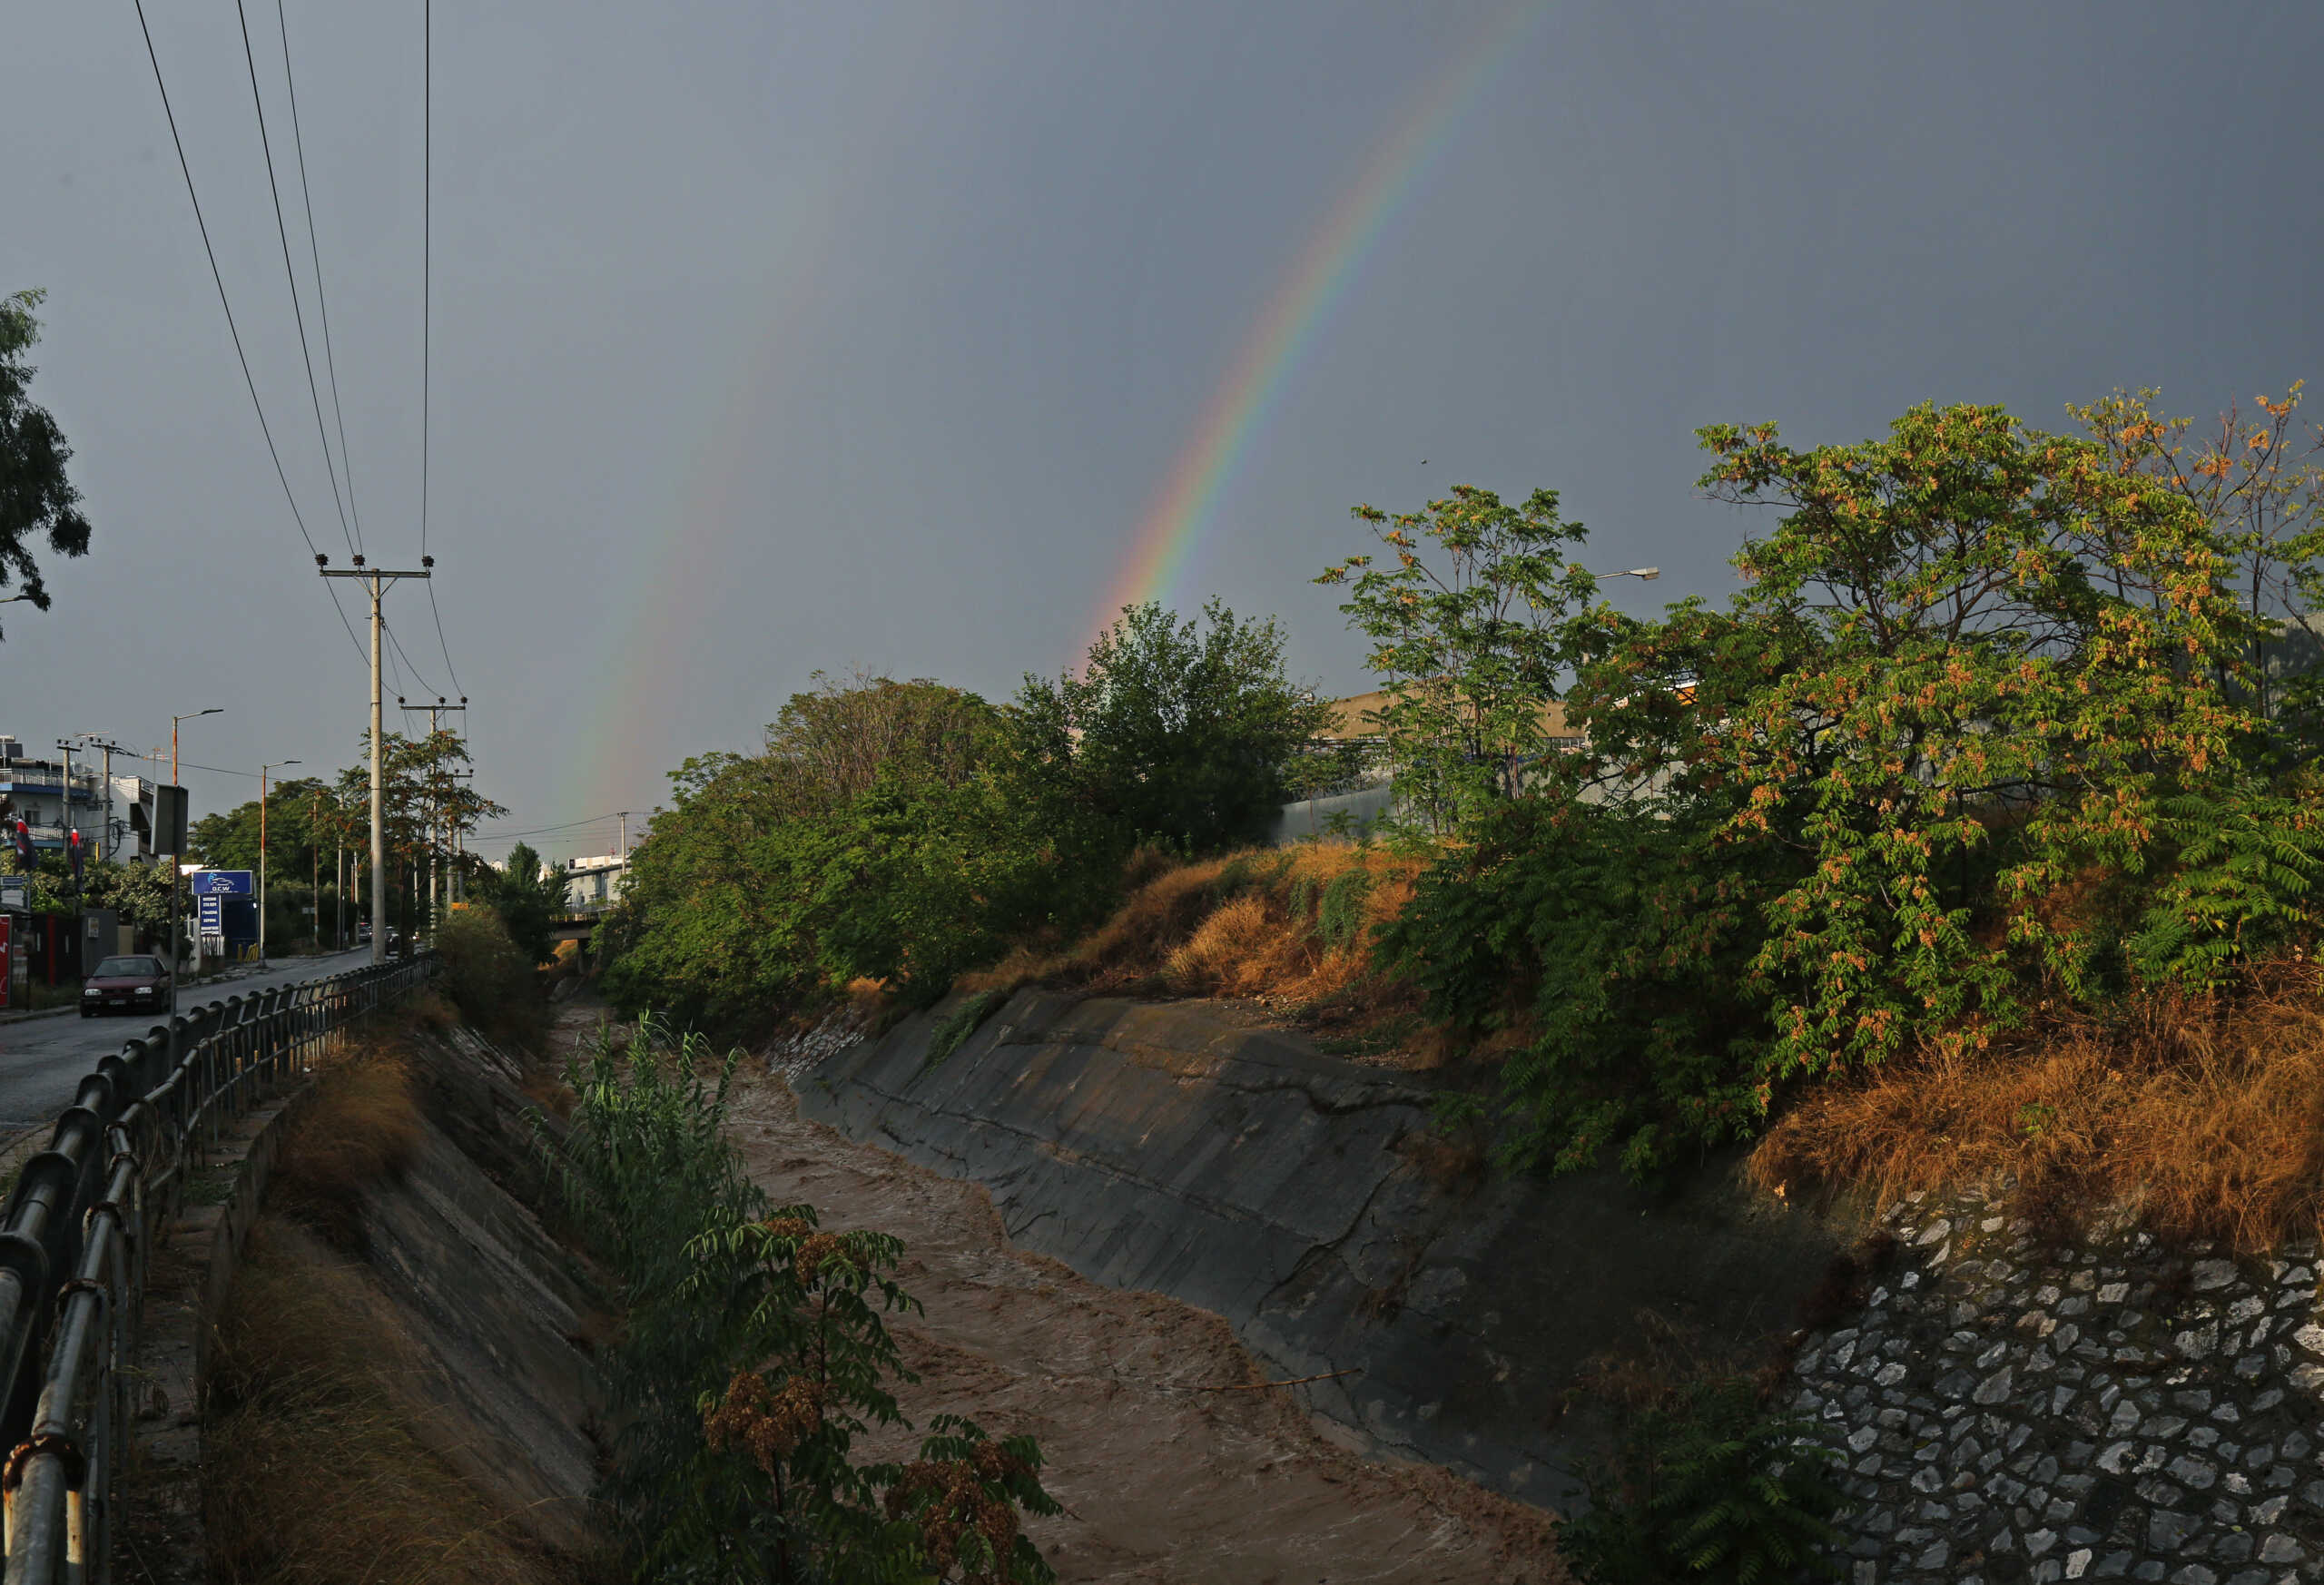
[
  {"x": 1125, "y": 1218},
  {"x": 2012, "y": 1408},
  {"x": 1306, "y": 1200}
]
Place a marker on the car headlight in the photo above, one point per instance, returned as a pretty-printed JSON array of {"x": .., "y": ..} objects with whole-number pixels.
[
  {"x": 92, "y": 990},
  {"x": 144, "y": 991}
]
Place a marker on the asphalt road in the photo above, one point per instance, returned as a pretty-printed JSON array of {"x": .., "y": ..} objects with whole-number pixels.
[{"x": 41, "y": 1060}]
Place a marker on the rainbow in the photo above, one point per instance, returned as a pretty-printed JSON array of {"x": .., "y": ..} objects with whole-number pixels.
[
  {"x": 626, "y": 723},
  {"x": 627, "y": 720},
  {"x": 1183, "y": 509}
]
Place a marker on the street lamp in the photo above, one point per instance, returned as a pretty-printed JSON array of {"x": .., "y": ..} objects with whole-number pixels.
[
  {"x": 262, "y": 770},
  {"x": 1645, "y": 575},
  {"x": 189, "y": 716},
  {"x": 177, "y": 861}
]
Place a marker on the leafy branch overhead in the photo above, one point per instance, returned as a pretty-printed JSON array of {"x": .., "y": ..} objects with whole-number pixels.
[{"x": 36, "y": 499}]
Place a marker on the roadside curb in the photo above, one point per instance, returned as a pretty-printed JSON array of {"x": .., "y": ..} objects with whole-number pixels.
[{"x": 45, "y": 1012}]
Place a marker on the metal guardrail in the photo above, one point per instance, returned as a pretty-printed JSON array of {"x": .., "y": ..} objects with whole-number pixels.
[{"x": 76, "y": 1233}]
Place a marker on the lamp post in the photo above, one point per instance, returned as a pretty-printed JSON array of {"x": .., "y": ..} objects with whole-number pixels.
[
  {"x": 177, "y": 861},
  {"x": 1645, "y": 575},
  {"x": 262, "y": 770}
]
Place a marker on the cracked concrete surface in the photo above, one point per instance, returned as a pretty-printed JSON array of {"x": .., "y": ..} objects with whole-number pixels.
[{"x": 1163, "y": 1148}]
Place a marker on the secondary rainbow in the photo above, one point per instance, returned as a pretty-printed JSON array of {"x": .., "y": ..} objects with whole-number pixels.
[{"x": 1185, "y": 508}]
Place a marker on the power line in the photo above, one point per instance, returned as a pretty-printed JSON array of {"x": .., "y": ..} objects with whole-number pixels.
[
  {"x": 541, "y": 830},
  {"x": 231, "y": 328},
  {"x": 425, "y": 687},
  {"x": 289, "y": 276},
  {"x": 439, "y": 637},
  {"x": 426, "y": 246},
  {"x": 323, "y": 301},
  {"x": 428, "y": 296}
]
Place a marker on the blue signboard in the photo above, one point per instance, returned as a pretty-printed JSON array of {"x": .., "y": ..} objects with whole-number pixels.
[
  {"x": 221, "y": 883},
  {"x": 212, "y": 905}
]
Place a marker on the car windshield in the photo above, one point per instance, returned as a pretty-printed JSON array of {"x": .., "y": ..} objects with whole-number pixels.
[{"x": 127, "y": 967}]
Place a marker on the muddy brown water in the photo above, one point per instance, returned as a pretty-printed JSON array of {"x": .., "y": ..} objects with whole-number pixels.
[{"x": 1165, "y": 1478}]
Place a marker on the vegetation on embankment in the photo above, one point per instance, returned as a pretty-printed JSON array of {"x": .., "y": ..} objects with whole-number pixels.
[
  {"x": 753, "y": 1350},
  {"x": 908, "y": 832},
  {"x": 1978, "y": 832}
]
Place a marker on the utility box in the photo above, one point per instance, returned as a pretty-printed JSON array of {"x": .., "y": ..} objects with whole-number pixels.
[{"x": 99, "y": 936}]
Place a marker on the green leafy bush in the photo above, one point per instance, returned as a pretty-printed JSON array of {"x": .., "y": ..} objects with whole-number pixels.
[
  {"x": 487, "y": 976},
  {"x": 755, "y": 1349},
  {"x": 1707, "y": 1488},
  {"x": 1980, "y": 737},
  {"x": 1616, "y": 945}
]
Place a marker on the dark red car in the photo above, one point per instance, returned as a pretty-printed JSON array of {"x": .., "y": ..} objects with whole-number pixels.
[{"x": 131, "y": 984}]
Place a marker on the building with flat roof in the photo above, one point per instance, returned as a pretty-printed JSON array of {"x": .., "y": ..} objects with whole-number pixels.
[
  {"x": 115, "y": 821},
  {"x": 596, "y": 882}
]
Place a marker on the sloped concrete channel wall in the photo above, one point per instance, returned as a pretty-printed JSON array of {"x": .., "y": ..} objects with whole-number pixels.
[
  {"x": 1292, "y": 1194},
  {"x": 2011, "y": 1409},
  {"x": 492, "y": 1302}
]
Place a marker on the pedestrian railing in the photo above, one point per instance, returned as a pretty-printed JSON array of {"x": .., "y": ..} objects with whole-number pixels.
[{"x": 77, "y": 1230}]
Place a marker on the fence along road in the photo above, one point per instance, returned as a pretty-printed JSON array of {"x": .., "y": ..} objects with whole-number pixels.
[
  {"x": 42, "y": 1060},
  {"x": 76, "y": 1232}
]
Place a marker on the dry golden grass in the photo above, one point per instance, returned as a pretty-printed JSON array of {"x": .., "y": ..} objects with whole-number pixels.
[
  {"x": 363, "y": 1127},
  {"x": 1248, "y": 924},
  {"x": 2204, "y": 1118},
  {"x": 316, "y": 1469}
]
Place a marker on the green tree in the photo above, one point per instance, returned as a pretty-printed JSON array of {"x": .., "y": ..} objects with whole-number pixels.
[
  {"x": 2004, "y": 658},
  {"x": 1188, "y": 733},
  {"x": 1473, "y": 622},
  {"x": 2255, "y": 481},
  {"x": 139, "y": 893},
  {"x": 879, "y": 834},
  {"x": 36, "y": 495},
  {"x": 425, "y": 799},
  {"x": 527, "y": 895},
  {"x": 1978, "y": 734},
  {"x": 294, "y": 820}
]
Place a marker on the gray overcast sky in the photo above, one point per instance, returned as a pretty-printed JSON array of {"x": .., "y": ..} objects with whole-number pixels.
[{"x": 772, "y": 338}]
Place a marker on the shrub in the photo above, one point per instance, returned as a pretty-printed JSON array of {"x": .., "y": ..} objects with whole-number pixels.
[
  {"x": 754, "y": 1351},
  {"x": 1708, "y": 1486},
  {"x": 486, "y": 975},
  {"x": 1608, "y": 950},
  {"x": 954, "y": 1031}
]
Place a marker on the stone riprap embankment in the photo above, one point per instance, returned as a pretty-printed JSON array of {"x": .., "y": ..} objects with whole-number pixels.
[
  {"x": 2014, "y": 1409},
  {"x": 1311, "y": 1203}
]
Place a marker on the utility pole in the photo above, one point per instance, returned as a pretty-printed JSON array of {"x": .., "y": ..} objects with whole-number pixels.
[
  {"x": 66, "y": 743},
  {"x": 435, "y": 713},
  {"x": 108, "y": 845},
  {"x": 315, "y": 864},
  {"x": 459, "y": 844},
  {"x": 376, "y": 581}
]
